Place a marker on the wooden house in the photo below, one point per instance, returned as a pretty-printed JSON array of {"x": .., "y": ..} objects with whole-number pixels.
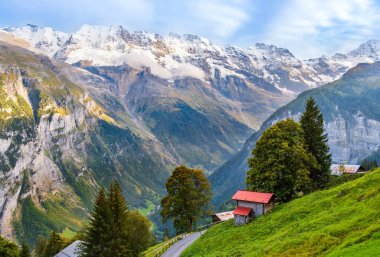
[{"x": 251, "y": 204}]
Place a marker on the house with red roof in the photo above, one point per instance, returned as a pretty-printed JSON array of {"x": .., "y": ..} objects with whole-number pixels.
[{"x": 251, "y": 204}]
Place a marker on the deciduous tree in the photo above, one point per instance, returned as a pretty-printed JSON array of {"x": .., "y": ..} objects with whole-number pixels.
[
  {"x": 188, "y": 198},
  {"x": 8, "y": 248},
  {"x": 139, "y": 235},
  {"x": 280, "y": 163}
]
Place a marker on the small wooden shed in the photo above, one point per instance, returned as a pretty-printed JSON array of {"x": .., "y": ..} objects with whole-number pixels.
[
  {"x": 222, "y": 216},
  {"x": 251, "y": 204},
  {"x": 339, "y": 169}
]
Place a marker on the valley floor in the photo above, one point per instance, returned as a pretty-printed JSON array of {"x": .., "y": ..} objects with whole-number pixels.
[{"x": 341, "y": 221}]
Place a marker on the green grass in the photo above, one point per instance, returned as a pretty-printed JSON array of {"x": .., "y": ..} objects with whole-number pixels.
[
  {"x": 341, "y": 221},
  {"x": 148, "y": 209},
  {"x": 149, "y": 252},
  {"x": 58, "y": 212},
  {"x": 68, "y": 233}
]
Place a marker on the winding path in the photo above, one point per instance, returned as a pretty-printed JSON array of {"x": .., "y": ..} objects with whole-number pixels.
[{"x": 176, "y": 249}]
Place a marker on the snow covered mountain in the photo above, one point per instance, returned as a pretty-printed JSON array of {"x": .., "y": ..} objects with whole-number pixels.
[{"x": 174, "y": 56}]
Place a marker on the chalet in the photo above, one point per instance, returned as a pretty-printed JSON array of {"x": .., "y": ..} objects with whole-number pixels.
[
  {"x": 339, "y": 169},
  {"x": 222, "y": 216},
  {"x": 70, "y": 251},
  {"x": 251, "y": 204}
]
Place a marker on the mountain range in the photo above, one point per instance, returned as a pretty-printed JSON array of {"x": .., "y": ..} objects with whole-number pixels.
[{"x": 78, "y": 110}]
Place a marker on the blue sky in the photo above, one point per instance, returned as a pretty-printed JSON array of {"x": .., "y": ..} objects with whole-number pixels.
[{"x": 308, "y": 28}]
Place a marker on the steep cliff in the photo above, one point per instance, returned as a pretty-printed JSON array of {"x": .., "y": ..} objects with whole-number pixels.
[{"x": 58, "y": 144}]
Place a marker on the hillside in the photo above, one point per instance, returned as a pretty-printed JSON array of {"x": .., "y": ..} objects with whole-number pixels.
[
  {"x": 58, "y": 145},
  {"x": 341, "y": 221},
  {"x": 352, "y": 121}
]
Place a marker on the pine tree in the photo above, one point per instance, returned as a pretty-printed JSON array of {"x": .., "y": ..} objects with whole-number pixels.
[
  {"x": 40, "y": 246},
  {"x": 113, "y": 230},
  {"x": 118, "y": 222},
  {"x": 96, "y": 238},
  {"x": 54, "y": 245},
  {"x": 24, "y": 250},
  {"x": 316, "y": 143}
]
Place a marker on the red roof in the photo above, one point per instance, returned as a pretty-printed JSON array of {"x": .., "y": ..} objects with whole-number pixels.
[
  {"x": 243, "y": 211},
  {"x": 251, "y": 196}
]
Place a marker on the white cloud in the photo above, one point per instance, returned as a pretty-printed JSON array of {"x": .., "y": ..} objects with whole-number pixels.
[
  {"x": 222, "y": 18},
  {"x": 178, "y": 70},
  {"x": 311, "y": 28}
]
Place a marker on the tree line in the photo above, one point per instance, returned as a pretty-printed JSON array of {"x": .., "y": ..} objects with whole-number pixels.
[
  {"x": 113, "y": 230},
  {"x": 290, "y": 158}
]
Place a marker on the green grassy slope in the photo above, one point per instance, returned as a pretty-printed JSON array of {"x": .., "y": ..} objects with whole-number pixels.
[{"x": 341, "y": 221}]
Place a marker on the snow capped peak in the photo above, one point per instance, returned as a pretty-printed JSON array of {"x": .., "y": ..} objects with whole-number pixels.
[
  {"x": 369, "y": 49},
  {"x": 272, "y": 50},
  {"x": 46, "y": 39},
  {"x": 192, "y": 55},
  {"x": 96, "y": 30},
  {"x": 34, "y": 28}
]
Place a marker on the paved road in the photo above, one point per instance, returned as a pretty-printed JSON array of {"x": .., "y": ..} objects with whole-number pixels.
[{"x": 176, "y": 249}]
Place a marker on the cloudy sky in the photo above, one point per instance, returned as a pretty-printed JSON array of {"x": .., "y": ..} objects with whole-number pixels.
[{"x": 308, "y": 28}]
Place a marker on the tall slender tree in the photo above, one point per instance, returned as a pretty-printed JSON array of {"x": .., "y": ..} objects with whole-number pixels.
[
  {"x": 118, "y": 222},
  {"x": 114, "y": 231},
  {"x": 316, "y": 143},
  {"x": 95, "y": 241},
  {"x": 54, "y": 245},
  {"x": 25, "y": 252},
  {"x": 40, "y": 246}
]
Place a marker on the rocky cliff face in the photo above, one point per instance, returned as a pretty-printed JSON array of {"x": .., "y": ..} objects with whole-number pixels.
[
  {"x": 58, "y": 145},
  {"x": 352, "y": 118}
]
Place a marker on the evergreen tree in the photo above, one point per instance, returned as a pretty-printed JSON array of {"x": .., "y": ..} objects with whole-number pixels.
[
  {"x": 113, "y": 230},
  {"x": 97, "y": 235},
  {"x": 188, "y": 198},
  {"x": 316, "y": 143},
  {"x": 280, "y": 163},
  {"x": 118, "y": 222},
  {"x": 54, "y": 245},
  {"x": 40, "y": 246},
  {"x": 369, "y": 164},
  {"x": 24, "y": 250}
]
